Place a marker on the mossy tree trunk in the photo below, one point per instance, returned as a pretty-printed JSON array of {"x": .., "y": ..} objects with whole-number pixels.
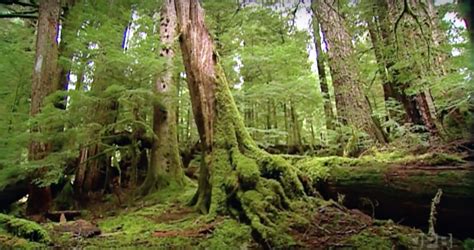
[
  {"x": 45, "y": 80},
  {"x": 352, "y": 106},
  {"x": 235, "y": 176},
  {"x": 165, "y": 164}
]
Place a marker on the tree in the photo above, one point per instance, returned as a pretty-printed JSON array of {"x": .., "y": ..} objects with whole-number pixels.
[
  {"x": 235, "y": 176},
  {"x": 398, "y": 34},
  {"x": 352, "y": 106},
  {"x": 381, "y": 35},
  {"x": 320, "y": 60},
  {"x": 45, "y": 80},
  {"x": 165, "y": 165}
]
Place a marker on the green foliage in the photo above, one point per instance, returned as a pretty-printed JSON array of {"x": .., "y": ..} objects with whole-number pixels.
[
  {"x": 370, "y": 241},
  {"x": 266, "y": 62},
  {"x": 17, "y": 50},
  {"x": 468, "y": 244}
]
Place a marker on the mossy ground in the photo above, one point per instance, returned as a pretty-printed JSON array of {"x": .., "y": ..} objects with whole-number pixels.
[{"x": 163, "y": 220}]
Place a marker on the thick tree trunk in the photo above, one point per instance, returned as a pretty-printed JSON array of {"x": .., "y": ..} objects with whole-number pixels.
[
  {"x": 165, "y": 165},
  {"x": 321, "y": 61},
  {"x": 45, "y": 79},
  {"x": 235, "y": 176},
  {"x": 353, "y": 108}
]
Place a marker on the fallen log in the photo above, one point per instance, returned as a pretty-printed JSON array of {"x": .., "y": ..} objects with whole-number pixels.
[{"x": 401, "y": 190}]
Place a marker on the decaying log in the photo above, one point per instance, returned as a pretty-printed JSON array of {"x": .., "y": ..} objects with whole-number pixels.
[{"x": 403, "y": 192}]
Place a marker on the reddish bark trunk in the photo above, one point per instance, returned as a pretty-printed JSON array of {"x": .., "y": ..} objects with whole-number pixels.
[{"x": 45, "y": 79}]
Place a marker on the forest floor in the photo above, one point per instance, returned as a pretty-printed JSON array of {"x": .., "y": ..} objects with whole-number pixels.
[{"x": 163, "y": 220}]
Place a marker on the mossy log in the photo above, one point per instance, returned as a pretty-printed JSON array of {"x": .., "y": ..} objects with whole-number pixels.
[
  {"x": 24, "y": 229},
  {"x": 402, "y": 190}
]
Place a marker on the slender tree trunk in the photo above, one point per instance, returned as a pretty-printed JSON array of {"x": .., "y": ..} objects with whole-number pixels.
[
  {"x": 321, "y": 61},
  {"x": 165, "y": 165},
  {"x": 297, "y": 141},
  {"x": 235, "y": 176},
  {"x": 352, "y": 106},
  {"x": 287, "y": 127},
  {"x": 268, "y": 115},
  {"x": 45, "y": 79}
]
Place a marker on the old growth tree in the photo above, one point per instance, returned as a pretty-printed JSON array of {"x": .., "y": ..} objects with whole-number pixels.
[{"x": 108, "y": 121}]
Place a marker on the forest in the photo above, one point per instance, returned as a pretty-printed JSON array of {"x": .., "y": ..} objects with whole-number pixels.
[{"x": 237, "y": 124}]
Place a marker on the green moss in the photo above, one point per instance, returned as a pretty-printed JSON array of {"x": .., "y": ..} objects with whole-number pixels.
[
  {"x": 8, "y": 241},
  {"x": 174, "y": 193},
  {"x": 24, "y": 229},
  {"x": 437, "y": 159},
  {"x": 468, "y": 244},
  {"x": 265, "y": 219},
  {"x": 229, "y": 234},
  {"x": 247, "y": 169},
  {"x": 367, "y": 240}
]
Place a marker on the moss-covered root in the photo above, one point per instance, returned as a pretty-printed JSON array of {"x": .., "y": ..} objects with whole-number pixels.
[
  {"x": 263, "y": 208},
  {"x": 255, "y": 189},
  {"x": 24, "y": 229},
  {"x": 151, "y": 184}
]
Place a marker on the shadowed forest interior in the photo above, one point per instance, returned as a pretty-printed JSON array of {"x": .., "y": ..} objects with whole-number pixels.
[{"x": 246, "y": 124}]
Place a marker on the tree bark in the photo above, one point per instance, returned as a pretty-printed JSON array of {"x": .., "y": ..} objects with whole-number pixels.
[
  {"x": 321, "y": 61},
  {"x": 45, "y": 79},
  {"x": 165, "y": 165},
  {"x": 353, "y": 108},
  {"x": 389, "y": 43},
  {"x": 235, "y": 176}
]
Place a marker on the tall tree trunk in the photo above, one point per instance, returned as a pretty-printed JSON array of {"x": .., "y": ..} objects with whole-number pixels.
[
  {"x": 45, "y": 79},
  {"x": 402, "y": 40},
  {"x": 235, "y": 176},
  {"x": 352, "y": 106},
  {"x": 382, "y": 40},
  {"x": 321, "y": 61},
  {"x": 165, "y": 165}
]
